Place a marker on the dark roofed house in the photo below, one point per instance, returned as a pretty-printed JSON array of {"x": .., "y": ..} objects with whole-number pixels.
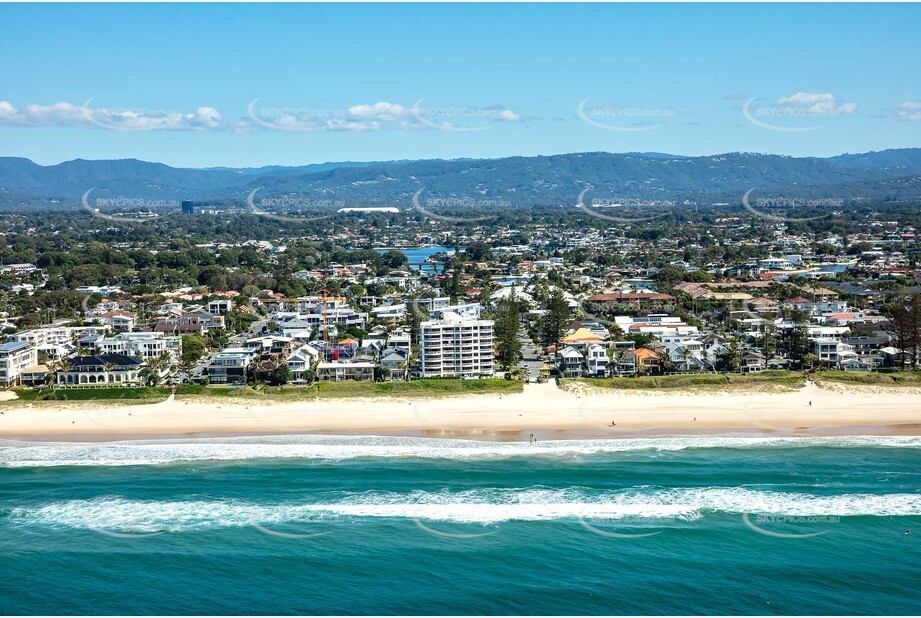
[{"x": 102, "y": 370}]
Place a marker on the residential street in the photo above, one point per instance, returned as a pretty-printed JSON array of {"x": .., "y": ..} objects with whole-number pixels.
[{"x": 530, "y": 361}]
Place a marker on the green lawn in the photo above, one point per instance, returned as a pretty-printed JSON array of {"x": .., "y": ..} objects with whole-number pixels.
[
  {"x": 705, "y": 381},
  {"x": 336, "y": 390},
  {"x": 144, "y": 394}
]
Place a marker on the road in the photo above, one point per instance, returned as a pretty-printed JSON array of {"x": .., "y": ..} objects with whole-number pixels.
[{"x": 531, "y": 361}]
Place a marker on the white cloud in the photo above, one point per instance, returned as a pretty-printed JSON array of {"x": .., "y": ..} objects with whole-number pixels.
[
  {"x": 382, "y": 111},
  {"x": 816, "y": 103},
  {"x": 806, "y": 98},
  {"x": 907, "y": 110},
  {"x": 364, "y": 117},
  {"x": 380, "y": 116},
  {"x": 67, "y": 114},
  {"x": 8, "y": 113}
]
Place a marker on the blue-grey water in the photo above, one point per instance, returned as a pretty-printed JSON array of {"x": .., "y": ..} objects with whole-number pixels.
[
  {"x": 415, "y": 255},
  {"x": 374, "y": 525}
]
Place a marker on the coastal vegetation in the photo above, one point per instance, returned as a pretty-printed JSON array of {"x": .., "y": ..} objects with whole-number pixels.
[
  {"x": 867, "y": 378},
  {"x": 339, "y": 390},
  {"x": 145, "y": 394},
  {"x": 705, "y": 381}
]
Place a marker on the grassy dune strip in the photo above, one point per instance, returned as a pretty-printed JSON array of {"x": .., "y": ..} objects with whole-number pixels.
[
  {"x": 145, "y": 394},
  {"x": 864, "y": 378},
  {"x": 341, "y": 390},
  {"x": 702, "y": 381}
]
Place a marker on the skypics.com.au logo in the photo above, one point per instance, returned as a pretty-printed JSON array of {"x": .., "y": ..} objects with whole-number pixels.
[
  {"x": 463, "y": 119},
  {"x": 626, "y": 119},
  {"x": 456, "y": 203},
  {"x": 122, "y": 209},
  {"x": 760, "y": 204},
  {"x": 796, "y": 113},
  {"x": 616, "y": 205},
  {"x": 305, "y": 209}
]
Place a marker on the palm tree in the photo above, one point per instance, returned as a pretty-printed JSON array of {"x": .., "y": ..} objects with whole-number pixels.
[
  {"x": 811, "y": 359},
  {"x": 109, "y": 367},
  {"x": 149, "y": 376},
  {"x": 61, "y": 365},
  {"x": 616, "y": 355}
]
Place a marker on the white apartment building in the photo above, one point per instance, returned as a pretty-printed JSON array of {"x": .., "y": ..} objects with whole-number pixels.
[
  {"x": 14, "y": 357},
  {"x": 455, "y": 347},
  {"x": 145, "y": 345},
  {"x": 470, "y": 311},
  {"x": 55, "y": 341},
  {"x": 338, "y": 311}
]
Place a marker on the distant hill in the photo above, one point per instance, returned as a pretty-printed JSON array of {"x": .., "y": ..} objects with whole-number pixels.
[
  {"x": 516, "y": 181},
  {"x": 896, "y": 159},
  {"x": 129, "y": 176}
]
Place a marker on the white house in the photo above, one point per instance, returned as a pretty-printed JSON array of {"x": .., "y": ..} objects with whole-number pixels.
[
  {"x": 15, "y": 356},
  {"x": 596, "y": 360}
]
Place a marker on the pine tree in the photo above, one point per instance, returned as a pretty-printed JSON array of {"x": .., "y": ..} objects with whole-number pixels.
[
  {"x": 506, "y": 329},
  {"x": 553, "y": 325}
]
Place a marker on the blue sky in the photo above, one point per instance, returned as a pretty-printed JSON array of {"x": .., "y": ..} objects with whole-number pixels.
[{"x": 172, "y": 83}]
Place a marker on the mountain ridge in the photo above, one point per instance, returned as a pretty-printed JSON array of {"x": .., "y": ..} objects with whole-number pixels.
[{"x": 515, "y": 181}]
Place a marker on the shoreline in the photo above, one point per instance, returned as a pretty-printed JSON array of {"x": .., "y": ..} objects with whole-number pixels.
[
  {"x": 486, "y": 436},
  {"x": 544, "y": 410}
]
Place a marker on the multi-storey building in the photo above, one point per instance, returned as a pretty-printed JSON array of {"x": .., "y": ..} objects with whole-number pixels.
[
  {"x": 455, "y": 347},
  {"x": 56, "y": 341},
  {"x": 230, "y": 365},
  {"x": 14, "y": 357},
  {"x": 145, "y": 345}
]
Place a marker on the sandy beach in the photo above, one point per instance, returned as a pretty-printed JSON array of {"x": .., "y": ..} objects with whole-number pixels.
[{"x": 544, "y": 408}]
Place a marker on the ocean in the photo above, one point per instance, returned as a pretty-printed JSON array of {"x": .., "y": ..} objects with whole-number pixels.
[{"x": 401, "y": 525}]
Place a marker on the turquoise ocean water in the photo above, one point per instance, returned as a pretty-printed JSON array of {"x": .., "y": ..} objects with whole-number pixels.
[{"x": 374, "y": 525}]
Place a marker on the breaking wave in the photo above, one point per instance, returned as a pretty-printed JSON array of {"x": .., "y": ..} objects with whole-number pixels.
[
  {"x": 481, "y": 506},
  {"x": 152, "y": 452}
]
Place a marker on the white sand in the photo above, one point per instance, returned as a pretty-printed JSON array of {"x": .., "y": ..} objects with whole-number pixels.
[{"x": 539, "y": 408}]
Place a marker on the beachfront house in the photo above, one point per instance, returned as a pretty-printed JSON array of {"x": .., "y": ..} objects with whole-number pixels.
[
  {"x": 570, "y": 361},
  {"x": 342, "y": 371},
  {"x": 596, "y": 360},
  {"x": 101, "y": 370},
  {"x": 15, "y": 356},
  {"x": 646, "y": 361},
  {"x": 229, "y": 366},
  {"x": 395, "y": 361}
]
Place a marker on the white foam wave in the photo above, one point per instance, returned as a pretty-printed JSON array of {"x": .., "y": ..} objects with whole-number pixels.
[
  {"x": 484, "y": 506},
  {"x": 151, "y": 452}
]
